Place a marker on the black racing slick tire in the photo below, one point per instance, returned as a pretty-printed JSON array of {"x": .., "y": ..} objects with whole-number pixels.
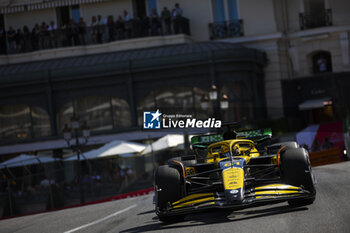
[
  {"x": 296, "y": 170},
  {"x": 289, "y": 145},
  {"x": 169, "y": 188}
]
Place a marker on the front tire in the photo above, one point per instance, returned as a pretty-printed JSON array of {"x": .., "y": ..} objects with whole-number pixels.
[
  {"x": 296, "y": 170},
  {"x": 169, "y": 188}
]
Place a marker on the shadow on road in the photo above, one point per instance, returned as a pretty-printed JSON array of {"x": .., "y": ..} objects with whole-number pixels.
[
  {"x": 146, "y": 212},
  {"x": 214, "y": 217}
]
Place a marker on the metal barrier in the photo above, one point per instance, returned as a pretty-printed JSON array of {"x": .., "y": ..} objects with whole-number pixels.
[
  {"x": 47, "y": 188},
  {"x": 321, "y": 19},
  {"x": 325, "y": 157}
]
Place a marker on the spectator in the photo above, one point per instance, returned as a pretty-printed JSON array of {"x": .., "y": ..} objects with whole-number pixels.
[
  {"x": 27, "y": 36},
  {"x": 155, "y": 24},
  {"x": 10, "y": 205},
  {"x": 19, "y": 41},
  {"x": 100, "y": 29},
  {"x": 177, "y": 12},
  {"x": 35, "y": 37},
  {"x": 11, "y": 36},
  {"x": 127, "y": 24},
  {"x": 44, "y": 36},
  {"x": 62, "y": 35},
  {"x": 86, "y": 181},
  {"x": 315, "y": 146},
  {"x": 322, "y": 64},
  {"x": 122, "y": 175},
  {"x": 52, "y": 30},
  {"x": 126, "y": 16},
  {"x": 306, "y": 147},
  {"x": 326, "y": 144},
  {"x": 82, "y": 31},
  {"x": 93, "y": 27},
  {"x": 130, "y": 173},
  {"x": 145, "y": 26},
  {"x": 120, "y": 27},
  {"x": 137, "y": 27},
  {"x": 111, "y": 28},
  {"x": 54, "y": 199},
  {"x": 73, "y": 33},
  {"x": 45, "y": 183},
  {"x": 177, "y": 16},
  {"x": 2, "y": 41},
  {"x": 166, "y": 18}
]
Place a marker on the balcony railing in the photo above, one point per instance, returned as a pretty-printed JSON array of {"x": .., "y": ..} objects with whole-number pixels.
[
  {"x": 67, "y": 36},
  {"x": 314, "y": 20},
  {"x": 226, "y": 29}
]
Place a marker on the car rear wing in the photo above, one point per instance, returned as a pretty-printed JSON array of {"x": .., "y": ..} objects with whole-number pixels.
[
  {"x": 206, "y": 140},
  {"x": 257, "y": 135}
]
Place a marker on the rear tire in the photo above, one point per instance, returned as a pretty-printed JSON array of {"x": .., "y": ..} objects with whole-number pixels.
[
  {"x": 296, "y": 170},
  {"x": 169, "y": 188},
  {"x": 290, "y": 145}
]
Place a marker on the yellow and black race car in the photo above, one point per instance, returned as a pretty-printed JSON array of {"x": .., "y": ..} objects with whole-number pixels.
[{"x": 235, "y": 173}]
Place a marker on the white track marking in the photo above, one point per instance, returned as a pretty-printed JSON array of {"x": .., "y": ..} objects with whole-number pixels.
[{"x": 101, "y": 219}]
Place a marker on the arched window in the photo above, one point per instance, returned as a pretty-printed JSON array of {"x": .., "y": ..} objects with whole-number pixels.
[
  {"x": 204, "y": 108},
  {"x": 20, "y": 121},
  {"x": 40, "y": 122},
  {"x": 99, "y": 112},
  {"x": 147, "y": 103},
  {"x": 64, "y": 114},
  {"x": 96, "y": 111},
  {"x": 321, "y": 62},
  {"x": 177, "y": 100},
  {"x": 121, "y": 113}
]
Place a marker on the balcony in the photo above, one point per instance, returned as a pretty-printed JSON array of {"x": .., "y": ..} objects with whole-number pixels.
[
  {"x": 311, "y": 20},
  {"x": 44, "y": 40},
  {"x": 226, "y": 29}
]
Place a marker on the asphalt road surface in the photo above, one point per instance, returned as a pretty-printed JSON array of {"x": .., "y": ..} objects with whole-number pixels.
[{"x": 329, "y": 213}]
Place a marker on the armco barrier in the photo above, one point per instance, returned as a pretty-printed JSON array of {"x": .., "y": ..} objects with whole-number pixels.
[
  {"x": 325, "y": 157},
  {"x": 117, "y": 197}
]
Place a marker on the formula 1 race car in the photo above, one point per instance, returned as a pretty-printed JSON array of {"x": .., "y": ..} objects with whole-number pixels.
[{"x": 236, "y": 173}]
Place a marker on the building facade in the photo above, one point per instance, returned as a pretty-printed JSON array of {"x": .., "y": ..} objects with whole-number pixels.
[{"x": 302, "y": 40}]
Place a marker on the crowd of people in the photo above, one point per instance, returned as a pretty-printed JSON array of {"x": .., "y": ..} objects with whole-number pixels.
[{"x": 99, "y": 30}]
